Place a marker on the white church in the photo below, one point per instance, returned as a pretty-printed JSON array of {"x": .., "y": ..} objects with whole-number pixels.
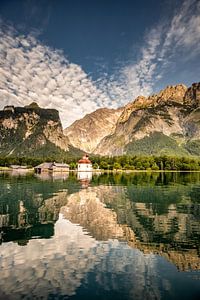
[{"x": 84, "y": 164}]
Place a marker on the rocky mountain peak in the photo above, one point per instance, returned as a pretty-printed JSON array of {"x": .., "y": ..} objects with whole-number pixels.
[
  {"x": 192, "y": 95},
  {"x": 87, "y": 132},
  {"x": 172, "y": 92},
  {"x": 32, "y": 105},
  {"x": 139, "y": 102}
]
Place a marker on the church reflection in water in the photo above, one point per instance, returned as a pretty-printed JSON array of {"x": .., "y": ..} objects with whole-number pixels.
[
  {"x": 84, "y": 178},
  {"x": 126, "y": 242}
]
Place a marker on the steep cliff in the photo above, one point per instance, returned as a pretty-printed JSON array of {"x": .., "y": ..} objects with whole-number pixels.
[{"x": 31, "y": 130}]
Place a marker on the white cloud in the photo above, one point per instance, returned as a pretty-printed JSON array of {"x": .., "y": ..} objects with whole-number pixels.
[
  {"x": 31, "y": 71},
  {"x": 163, "y": 44},
  {"x": 135, "y": 78},
  {"x": 184, "y": 30}
]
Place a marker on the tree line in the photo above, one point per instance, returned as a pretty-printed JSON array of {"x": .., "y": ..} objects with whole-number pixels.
[
  {"x": 147, "y": 163},
  {"x": 123, "y": 162}
]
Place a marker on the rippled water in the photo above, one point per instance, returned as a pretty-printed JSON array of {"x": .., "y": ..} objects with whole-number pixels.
[{"x": 122, "y": 236}]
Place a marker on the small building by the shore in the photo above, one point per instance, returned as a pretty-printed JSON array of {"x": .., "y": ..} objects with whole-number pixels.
[
  {"x": 51, "y": 167},
  {"x": 84, "y": 164},
  {"x": 44, "y": 167},
  {"x": 18, "y": 167},
  {"x": 59, "y": 167}
]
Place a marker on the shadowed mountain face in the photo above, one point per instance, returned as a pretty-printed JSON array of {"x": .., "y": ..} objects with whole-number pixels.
[
  {"x": 165, "y": 123},
  {"x": 32, "y": 130}
]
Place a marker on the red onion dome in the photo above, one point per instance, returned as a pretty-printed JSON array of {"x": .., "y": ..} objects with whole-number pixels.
[{"x": 84, "y": 161}]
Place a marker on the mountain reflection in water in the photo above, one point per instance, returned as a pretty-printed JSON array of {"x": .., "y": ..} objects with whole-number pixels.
[{"x": 123, "y": 236}]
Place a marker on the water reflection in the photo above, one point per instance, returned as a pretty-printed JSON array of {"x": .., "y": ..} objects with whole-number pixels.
[
  {"x": 123, "y": 237},
  {"x": 87, "y": 208},
  {"x": 84, "y": 178},
  {"x": 20, "y": 172},
  {"x": 29, "y": 207},
  {"x": 26, "y": 223},
  {"x": 57, "y": 263},
  {"x": 52, "y": 175},
  {"x": 106, "y": 213}
]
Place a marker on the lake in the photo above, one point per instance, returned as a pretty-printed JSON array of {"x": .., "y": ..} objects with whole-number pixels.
[{"x": 112, "y": 236}]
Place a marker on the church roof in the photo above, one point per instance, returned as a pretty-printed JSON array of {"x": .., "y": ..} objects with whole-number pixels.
[{"x": 84, "y": 160}]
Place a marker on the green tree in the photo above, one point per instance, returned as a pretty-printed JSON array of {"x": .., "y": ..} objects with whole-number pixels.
[
  {"x": 104, "y": 165},
  {"x": 155, "y": 167},
  {"x": 95, "y": 166},
  {"x": 72, "y": 165},
  {"x": 117, "y": 166}
]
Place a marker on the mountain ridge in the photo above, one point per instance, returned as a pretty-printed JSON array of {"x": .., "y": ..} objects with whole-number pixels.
[
  {"x": 166, "y": 123},
  {"x": 172, "y": 115}
]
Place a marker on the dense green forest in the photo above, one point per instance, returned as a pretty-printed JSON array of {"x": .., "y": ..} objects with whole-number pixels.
[{"x": 116, "y": 162}]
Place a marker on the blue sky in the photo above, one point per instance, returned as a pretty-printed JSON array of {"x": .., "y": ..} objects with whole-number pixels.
[{"x": 77, "y": 56}]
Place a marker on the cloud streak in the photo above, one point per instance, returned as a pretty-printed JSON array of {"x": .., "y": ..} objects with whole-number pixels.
[
  {"x": 163, "y": 45},
  {"x": 30, "y": 71}
]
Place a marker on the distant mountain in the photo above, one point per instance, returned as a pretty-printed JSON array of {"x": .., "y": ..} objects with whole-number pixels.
[
  {"x": 164, "y": 123},
  {"x": 88, "y": 132},
  {"x": 33, "y": 131}
]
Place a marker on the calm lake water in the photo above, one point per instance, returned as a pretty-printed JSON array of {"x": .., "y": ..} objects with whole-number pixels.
[{"x": 122, "y": 236}]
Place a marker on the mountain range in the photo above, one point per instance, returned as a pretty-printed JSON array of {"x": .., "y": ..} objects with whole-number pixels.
[
  {"x": 164, "y": 123},
  {"x": 167, "y": 123}
]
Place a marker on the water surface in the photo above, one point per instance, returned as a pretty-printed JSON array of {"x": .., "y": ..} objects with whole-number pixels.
[{"x": 122, "y": 236}]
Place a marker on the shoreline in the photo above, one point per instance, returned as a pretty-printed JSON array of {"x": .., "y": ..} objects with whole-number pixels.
[
  {"x": 103, "y": 171},
  {"x": 18, "y": 170}
]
